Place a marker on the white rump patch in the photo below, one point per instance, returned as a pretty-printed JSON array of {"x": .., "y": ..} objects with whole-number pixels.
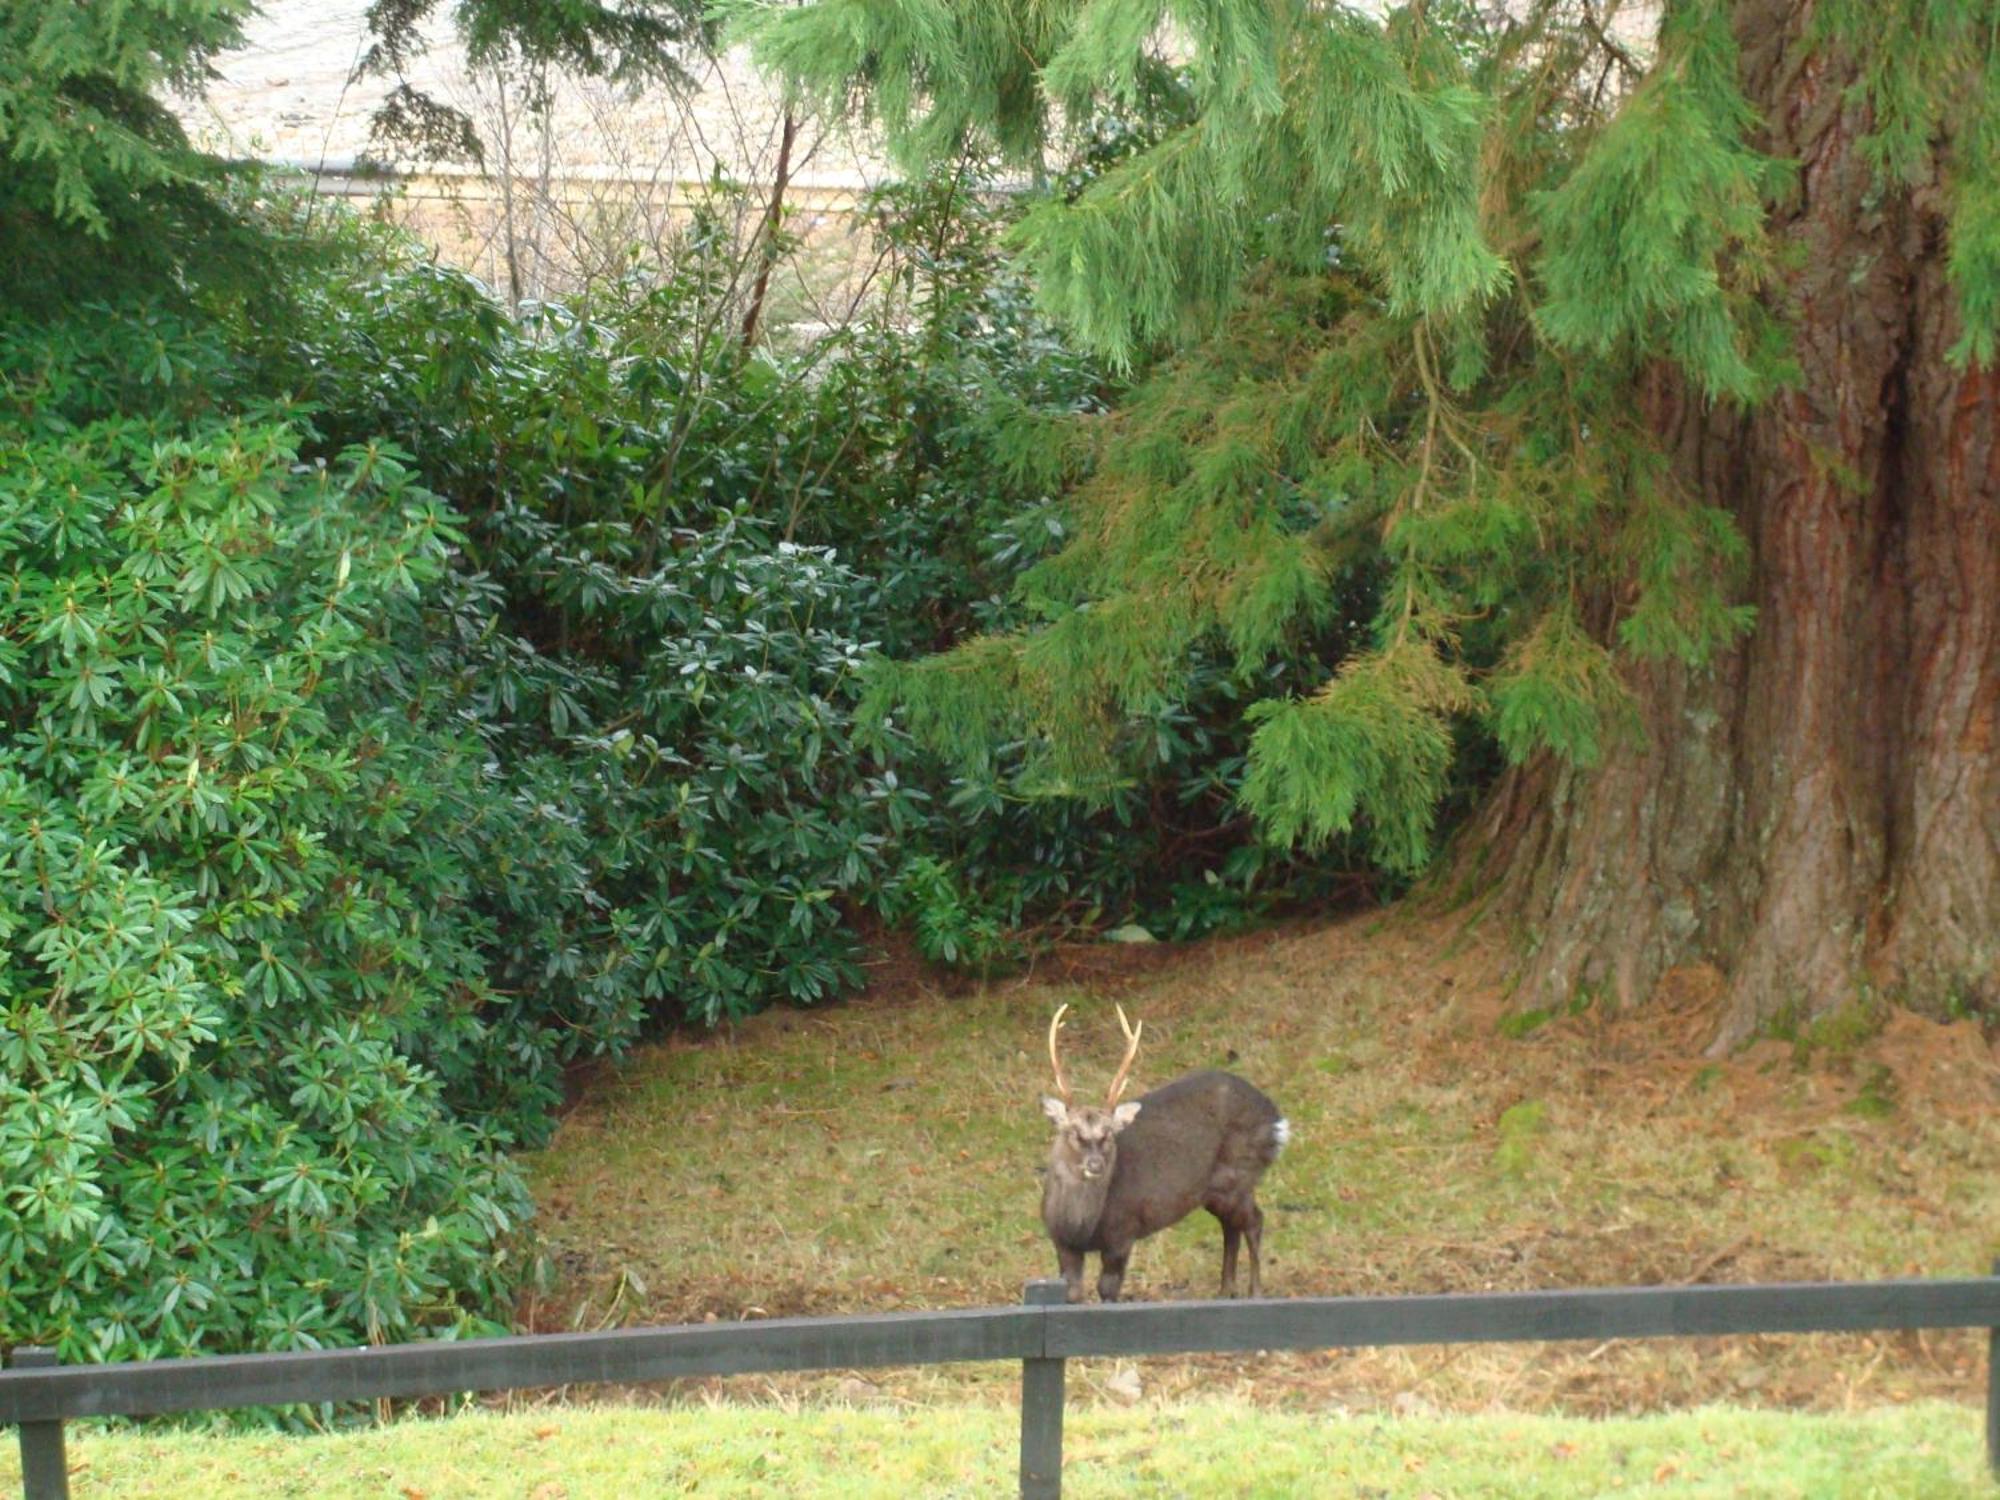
[{"x": 1281, "y": 1134}]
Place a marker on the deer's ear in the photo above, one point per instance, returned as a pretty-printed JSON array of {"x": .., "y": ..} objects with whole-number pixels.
[
  {"x": 1056, "y": 1110},
  {"x": 1124, "y": 1115}
]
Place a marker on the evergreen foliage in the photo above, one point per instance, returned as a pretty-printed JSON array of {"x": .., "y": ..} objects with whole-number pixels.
[
  {"x": 683, "y": 568},
  {"x": 92, "y": 162},
  {"x": 79, "y": 115},
  {"x": 649, "y": 633},
  {"x": 1390, "y": 285},
  {"x": 237, "y": 987},
  {"x": 101, "y": 187},
  {"x": 1636, "y": 236},
  {"x": 636, "y": 43},
  {"x": 1934, "y": 72}
]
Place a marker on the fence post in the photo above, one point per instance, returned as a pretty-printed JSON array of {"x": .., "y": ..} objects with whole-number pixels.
[
  {"x": 44, "y": 1465},
  {"x": 1993, "y": 1394},
  {"x": 1042, "y": 1408}
]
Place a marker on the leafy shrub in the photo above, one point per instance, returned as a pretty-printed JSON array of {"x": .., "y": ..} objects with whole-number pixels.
[
  {"x": 616, "y": 460},
  {"x": 703, "y": 751},
  {"x": 643, "y": 650},
  {"x": 947, "y": 925},
  {"x": 236, "y": 970}
]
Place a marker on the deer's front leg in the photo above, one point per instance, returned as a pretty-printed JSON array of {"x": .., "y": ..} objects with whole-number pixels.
[
  {"x": 1071, "y": 1262},
  {"x": 1111, "y": 1274}
]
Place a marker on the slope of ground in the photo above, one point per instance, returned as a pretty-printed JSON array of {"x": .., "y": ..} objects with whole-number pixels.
[
  {"x": 1927, "y": 1452},
  {"x": 884, "y": 1154}
]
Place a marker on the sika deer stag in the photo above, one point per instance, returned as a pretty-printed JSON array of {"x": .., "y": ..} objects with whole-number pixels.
[{"x": 1125, "y": 1171}]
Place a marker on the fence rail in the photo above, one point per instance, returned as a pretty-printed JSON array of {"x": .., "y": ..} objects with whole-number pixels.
[{"x": 38, "y": 1395}]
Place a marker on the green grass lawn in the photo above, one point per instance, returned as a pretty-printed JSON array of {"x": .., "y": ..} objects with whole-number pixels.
[{"x": 1929, "y": 1451}]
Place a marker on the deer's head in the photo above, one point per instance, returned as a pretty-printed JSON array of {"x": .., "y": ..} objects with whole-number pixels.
[{"x": 1086, "y": 1144}]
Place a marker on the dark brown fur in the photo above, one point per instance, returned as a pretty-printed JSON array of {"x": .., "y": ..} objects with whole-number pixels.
[{"x": 1202, "y": 1141}]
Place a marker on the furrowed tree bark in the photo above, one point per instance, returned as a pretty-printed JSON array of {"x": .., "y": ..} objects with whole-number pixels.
[{"x": 1818, "y": 814}]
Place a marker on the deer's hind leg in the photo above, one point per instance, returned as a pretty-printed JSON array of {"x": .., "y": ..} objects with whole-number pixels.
[
  {"x": 1231, "y": 1238},
  {"x": 1253, "y": 1232},
  {"x": 1236, "y": 1211}
]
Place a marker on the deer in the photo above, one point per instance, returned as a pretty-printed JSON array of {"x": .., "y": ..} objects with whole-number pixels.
[{"x": 1119, "y": 1173}]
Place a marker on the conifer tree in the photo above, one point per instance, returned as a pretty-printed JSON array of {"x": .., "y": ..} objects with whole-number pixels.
[
  {"x": 1635, "y": 363},
  {"x": 90, "y": 156},
  {"x": 99, "y": 185}
]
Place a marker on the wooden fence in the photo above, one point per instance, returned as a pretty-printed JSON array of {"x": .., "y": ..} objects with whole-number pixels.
[{"x": 38, "y": 1395}]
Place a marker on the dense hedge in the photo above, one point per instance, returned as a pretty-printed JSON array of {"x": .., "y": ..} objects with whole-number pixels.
[
  {"x": 617, "y": 462},
  {"x": 238, "y": 965}
]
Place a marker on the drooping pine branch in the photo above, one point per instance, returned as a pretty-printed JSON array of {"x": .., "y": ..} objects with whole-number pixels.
[{"x": 1394, "y": 284}]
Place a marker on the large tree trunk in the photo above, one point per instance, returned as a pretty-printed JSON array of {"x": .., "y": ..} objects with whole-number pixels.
[{"x": 1820, "y": 812}]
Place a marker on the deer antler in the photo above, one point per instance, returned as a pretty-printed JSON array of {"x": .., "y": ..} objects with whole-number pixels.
[
  {"x": 1055, "y": 1025},
  {"x": 1131, "y": 1052}
]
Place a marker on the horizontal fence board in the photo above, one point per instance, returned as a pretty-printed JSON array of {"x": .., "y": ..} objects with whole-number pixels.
[
  {"x": 522, "y": 1362},
  {"x": 637, "y": 1355},
  {"x": 1127, "y": 1328}
]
